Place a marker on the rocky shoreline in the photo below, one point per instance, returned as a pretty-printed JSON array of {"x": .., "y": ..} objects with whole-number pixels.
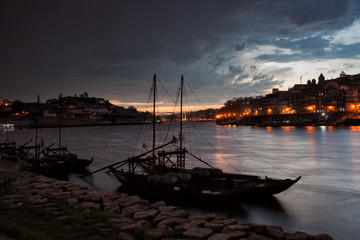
[{"x": 131, "y": 212}]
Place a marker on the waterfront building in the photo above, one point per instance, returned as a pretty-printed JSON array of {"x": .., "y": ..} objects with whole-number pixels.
[{"x": 339, "y": 95}]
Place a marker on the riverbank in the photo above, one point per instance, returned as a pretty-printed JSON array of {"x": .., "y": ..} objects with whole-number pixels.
[
  {"x": 128, "y": 217},
  {"x": 299, "y": 119}
]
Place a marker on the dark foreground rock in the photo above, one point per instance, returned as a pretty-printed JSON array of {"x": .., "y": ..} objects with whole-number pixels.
[{"x": 158, "y": 220}]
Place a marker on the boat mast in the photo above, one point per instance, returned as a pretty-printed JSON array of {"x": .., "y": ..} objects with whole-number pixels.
[
  {"x": 154, "y": 120},
  {"x": 181, "y": 113},
  {"x": 60, "y": 107},
  {"x": 181, "y": 157},
  {"x": 36, "y": 129}
]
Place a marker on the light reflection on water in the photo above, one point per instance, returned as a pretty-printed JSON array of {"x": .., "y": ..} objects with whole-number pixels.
[{"x": 326, "y": 199}]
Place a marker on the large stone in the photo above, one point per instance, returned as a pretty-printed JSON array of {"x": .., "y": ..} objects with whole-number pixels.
[
  {"x": 297, "y": 236},
  {"x": 143, "y": 224},
  {"x": 207, "y": 217},
  {"x": 72, "y": 201},
  {"x": 322, "y": 236},
  {"x": 258, "y": 228},
  {"x": 226, "y": 222},
  {"x": 275, "y": 233},
  {"x": 111, "y": 197},
  {"x": 37, "y": 200},
  {"x": 199, "y": 233},
  {"x": 172, "y": 221},
  {"x": 89, "y": 205},
  {"x": 228, "y": 236},
  {"x": 90, "y": 197},
  {"x": 42, "y": 185},
  {"x": 179, "y": 213},
  {"x": 47, "y": 191},
  {"x": 167, "y": 209},
  {"x": 146, "y": 215},
  {"x": 176, "y": 214},
  {"x": 237, "y": 227},
  {"x": 217, "y": 227},
  {"x": 129, "y": 211},
  {"x": 254, "y": 236},
  {"x": 129, "y": 200},
  {"x": 122, "y": 222},
  {"x": 60, "y": 195},
  {"x": 79, "y": 192},
  {"x": 159, "y": 231},
  {"x": 126, "y": 236},
  {"x": 110, "y": 207},
  {"x": 157, "y": 205},
  {"x": 190, "y": 224},
  {"x": 160, "y": 217}
]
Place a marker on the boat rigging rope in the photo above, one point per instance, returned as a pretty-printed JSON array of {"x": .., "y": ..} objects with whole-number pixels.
[
  {"x": 216, "y": 150},
  {"x": 158, "y": 79},
  {"x": 187, "y": 84},
  {"x": 173, "y": 113},
  {"x": 138, "y": 132},
  {"x": 259, "y": 157},
  {"x": 256, "y": 155}
]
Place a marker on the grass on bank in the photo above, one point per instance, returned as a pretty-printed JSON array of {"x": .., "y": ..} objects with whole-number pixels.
[
  {"x": 40, "y": 223},
  {"x": 60, "y": 221}
]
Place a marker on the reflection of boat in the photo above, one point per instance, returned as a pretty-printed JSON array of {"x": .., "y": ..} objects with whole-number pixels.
[
  {"x": 8, "y": 151},
  {"x": 162, "y": 173},
  {"x": 7, "y": 148}
]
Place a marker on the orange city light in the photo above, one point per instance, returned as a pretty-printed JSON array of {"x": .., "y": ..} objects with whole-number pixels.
[
  {"x": 269, "y": 110},
  {"x": 312, "y": 107}
]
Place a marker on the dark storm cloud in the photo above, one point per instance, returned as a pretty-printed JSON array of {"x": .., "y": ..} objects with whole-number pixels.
[
  {"x": 259, "y": 84},
  {"x": 113, "y": 47},
  {"x": 310, "y": 48},
  {"x": 241, "y": 80},
  {"x": 219, "y": 61},
  {"x": 240, "y": 47}
]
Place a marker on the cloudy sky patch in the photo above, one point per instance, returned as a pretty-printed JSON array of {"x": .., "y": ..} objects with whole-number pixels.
[{"x": 224, "y": 49}]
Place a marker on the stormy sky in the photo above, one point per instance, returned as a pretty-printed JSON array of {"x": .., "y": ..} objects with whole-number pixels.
[{"x": 224, "y": 49}]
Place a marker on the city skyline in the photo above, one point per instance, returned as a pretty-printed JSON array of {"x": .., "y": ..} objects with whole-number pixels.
[{"x": 111, "y": 49}]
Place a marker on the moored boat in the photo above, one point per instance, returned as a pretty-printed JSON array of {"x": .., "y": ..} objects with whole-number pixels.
[
  {"x": 32, "y": 158},
  {"x": 50, "y": 160},
  {"x": 162, "y": 173}
]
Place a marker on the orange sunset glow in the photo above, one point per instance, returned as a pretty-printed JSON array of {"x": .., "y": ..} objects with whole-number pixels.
[{"x": 164, "y": 107}]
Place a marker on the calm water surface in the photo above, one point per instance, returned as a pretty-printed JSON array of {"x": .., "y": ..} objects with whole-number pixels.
[{"x": 326, "y": 199}]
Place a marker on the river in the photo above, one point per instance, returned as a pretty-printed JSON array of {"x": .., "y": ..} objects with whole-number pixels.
[{"x": 325, "y": 200}]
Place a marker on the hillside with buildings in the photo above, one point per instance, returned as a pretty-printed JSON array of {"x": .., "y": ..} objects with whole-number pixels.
[
  {"x": 72, "y": 110},
  {"x": 323, "y": 101}
]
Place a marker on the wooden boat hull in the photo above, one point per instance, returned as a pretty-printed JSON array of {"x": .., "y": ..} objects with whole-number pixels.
[
  {"x": 49, "y": 167},
  {"x": 197, "y": 191}
]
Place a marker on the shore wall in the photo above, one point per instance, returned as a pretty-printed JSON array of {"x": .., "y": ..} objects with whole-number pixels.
[
  {"x": 300, "y": 119},
  {"x": 131, "y": 212}
]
